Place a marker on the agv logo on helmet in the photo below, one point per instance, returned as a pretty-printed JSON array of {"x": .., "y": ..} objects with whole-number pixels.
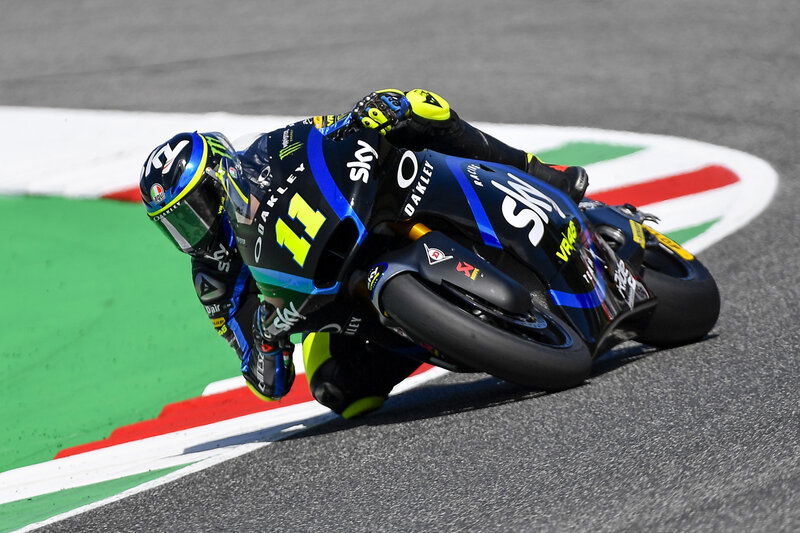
[{"x": 157, "y": 192}]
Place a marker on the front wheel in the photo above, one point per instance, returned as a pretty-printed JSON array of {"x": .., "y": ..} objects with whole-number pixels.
[
  {"x": 688, "y": 300},
  {"x": 536, "y": 350}
]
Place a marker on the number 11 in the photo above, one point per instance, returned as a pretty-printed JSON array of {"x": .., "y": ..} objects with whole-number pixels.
[{"x": 310, "y": 219}]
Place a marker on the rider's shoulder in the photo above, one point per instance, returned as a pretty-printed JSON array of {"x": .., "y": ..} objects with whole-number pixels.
[{"x": 257, "y": 141}]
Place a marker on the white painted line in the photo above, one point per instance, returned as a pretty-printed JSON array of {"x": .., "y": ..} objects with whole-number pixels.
[
  {"x": 689, "y": 211},
  {"x": 656, "y": 162},
  {"x": 90, "y": 153},
  {"x": 162, "y": 451},
  {"x": 230, "y": 453},
  {"x": 759, "y": 179},
  {"x": 758, "y": 185},
  {"x": 97, "y": 152},
  {"x": 224, "y": 385}
]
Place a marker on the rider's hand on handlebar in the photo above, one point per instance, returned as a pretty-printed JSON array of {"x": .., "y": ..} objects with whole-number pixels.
[{"x": 382, "y": 110}]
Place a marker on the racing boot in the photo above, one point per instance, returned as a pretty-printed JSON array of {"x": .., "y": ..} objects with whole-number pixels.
[
  {"x": 571, "y": 180},
  {"x": 350, "y": 377}
]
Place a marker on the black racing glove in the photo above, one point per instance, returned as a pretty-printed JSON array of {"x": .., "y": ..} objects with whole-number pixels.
[
  {"x": 382, "y": 110},
  {"x": 269, "y": 371}
]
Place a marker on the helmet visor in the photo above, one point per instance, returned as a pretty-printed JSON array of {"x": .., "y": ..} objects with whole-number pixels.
[{"x": 191, "y": 222}]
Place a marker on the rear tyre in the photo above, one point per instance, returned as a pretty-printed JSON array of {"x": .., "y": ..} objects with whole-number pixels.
[
  {"x": 688, "y": 298},
  {"x": 536, "y": 350}
]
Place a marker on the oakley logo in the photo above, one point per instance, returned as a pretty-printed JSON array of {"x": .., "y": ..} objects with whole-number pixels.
[
  {"x": 407, "y": 163},
  {"x": 168, "y": 153}
]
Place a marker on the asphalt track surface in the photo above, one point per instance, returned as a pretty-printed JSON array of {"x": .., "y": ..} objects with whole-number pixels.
[{"x": 703, "y": 437}]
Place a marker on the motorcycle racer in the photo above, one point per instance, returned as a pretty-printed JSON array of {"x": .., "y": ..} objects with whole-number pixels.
[{"x": 185, "y": 183}]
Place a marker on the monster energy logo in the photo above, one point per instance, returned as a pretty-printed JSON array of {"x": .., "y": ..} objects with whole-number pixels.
[
  {"x": 217, "y": 147},
  {"x": 292, "y": 148}
]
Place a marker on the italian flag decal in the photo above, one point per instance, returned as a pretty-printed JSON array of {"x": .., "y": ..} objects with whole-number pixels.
[{"x": 116, "y": 380}]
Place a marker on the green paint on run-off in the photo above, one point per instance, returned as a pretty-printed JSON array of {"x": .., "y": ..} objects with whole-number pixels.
[
  {"x": 101, "y": 325},
  {"x": 15, "y": 515},
  {"x": 586, "y": 153},
  {"x": 684, "y": 234}
]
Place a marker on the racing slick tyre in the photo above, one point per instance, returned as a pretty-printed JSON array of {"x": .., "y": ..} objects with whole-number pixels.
[
  {"x": 688, "y": 300},
  {"x": 536, "y": 350}
]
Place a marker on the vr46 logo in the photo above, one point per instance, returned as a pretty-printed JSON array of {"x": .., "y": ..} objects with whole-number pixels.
[{"x": 567, "y": 242}]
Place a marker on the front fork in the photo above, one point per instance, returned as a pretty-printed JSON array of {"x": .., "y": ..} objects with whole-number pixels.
[{"x": 623, "y": 238}]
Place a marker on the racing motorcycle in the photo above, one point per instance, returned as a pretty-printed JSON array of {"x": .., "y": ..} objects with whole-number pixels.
[{"x": 485, "y": 266}]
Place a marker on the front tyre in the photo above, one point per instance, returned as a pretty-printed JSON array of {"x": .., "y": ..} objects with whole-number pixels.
[
  {"x": 688, "y": 299},
  {"x": 537, "y": 350}
]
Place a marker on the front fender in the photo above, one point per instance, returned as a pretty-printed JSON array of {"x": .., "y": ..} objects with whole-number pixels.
[{"x": 438, "y": 259}]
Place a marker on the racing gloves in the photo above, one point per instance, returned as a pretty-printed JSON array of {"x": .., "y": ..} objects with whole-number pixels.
[
  {"x": 382, "y": 110},
  {"x": 269, "y": 370}
]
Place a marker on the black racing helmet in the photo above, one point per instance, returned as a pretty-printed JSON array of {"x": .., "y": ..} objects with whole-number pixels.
[{"x": 183, "y": 187}]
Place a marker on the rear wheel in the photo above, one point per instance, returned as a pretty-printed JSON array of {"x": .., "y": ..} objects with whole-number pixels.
[
  {"x": 688, "y": 298},
  {"x": 536, "y": 349}
]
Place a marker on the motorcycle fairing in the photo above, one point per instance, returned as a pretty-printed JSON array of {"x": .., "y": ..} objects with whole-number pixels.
[
  {"x": 478, "y": 212},
  {"x": 438, "y": 259},
  {"x": 501, "y": 206},
  {"x": 319, "y": 192},
  {"x": 319, "y": 159}
]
